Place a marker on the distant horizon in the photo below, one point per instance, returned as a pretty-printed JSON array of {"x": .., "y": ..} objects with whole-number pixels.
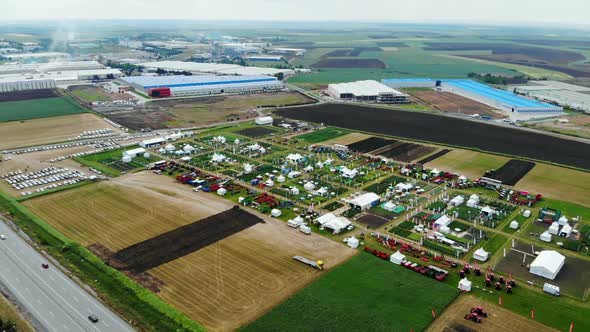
[
  {"x": 83, "y": 21},
  {"x": 500, "y": 12}
]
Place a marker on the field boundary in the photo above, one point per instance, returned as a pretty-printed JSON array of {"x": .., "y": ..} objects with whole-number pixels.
[{"x": 120, "y": 292}]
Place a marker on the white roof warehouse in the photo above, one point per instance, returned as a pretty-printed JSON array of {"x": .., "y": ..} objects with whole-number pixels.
[{"x": 367, "y": 91}]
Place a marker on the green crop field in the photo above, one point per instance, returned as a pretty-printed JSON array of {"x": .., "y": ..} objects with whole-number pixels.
[
  {"x": 38, "y": 108},
  {"x": 323, "y": 135},
  {"x": 364, "y": 294}
]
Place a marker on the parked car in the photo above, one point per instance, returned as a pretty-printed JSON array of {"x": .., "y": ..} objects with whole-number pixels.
[
  {"x": 2, "y": 237},
  {"x": 93, "y": 318},
  {"x": 45, "y": 265}
]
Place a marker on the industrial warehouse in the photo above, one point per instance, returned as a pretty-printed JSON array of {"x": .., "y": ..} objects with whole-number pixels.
[
  {"x": 564, "y": 94},
  {"x": 213, "y": 68},
  {"x": 367, "y": 91},
  {"x": 178, "y": 85},
  {"x": 35, "y": 76},
  {"x": 501, "y": 99}
]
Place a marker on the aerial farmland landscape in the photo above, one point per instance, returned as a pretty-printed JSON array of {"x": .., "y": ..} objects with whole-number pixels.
[{"x": 295, "y": 166}]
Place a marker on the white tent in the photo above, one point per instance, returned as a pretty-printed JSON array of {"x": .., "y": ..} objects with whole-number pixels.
[
  {"x": 562, "y": 220},
  {"x": 309, "y": 186},
  {"x": 462, "y": 178},
  {"x": 293, "y": 174},
  {"x": 188, "y": 148},
  {"x": 389, "y": 206},
  {"x": 295, "y": 191},
  {"x": 481, "y": 255},
  {"x": 457, "y": 200},
  {"x": 488, "y": 211},
  {"x": 514, "y": 224},
  {"x": 264, "y": 120},
  {"x": 404, "y": 186},
  {"x": 545, "y": 237},
  {"x": 442, "y": 221},
  {"x": 397, "y": 258},
  {"x": 281, "y": 179},
  {"x": 365, "y": 201},
  {"x": 221, "y": 191},
  {"x": 323, "y": 191},
  {"x": 308, "y": 169},
  {"x": 435, "y": 172},
  {"x": 349, "y": 173},
  {"x": 325, "y": 218},
  {"x": 464, "y": 285},
  {"x": 547, "y": 264},
  {"x": 553, "y": 229},
  {"x": 473, "y": 201},
  {"x": 353, "y": 242},
  {"x": 170, "y": 148},
  {"x": 526, "y": 213},
  {"x": 275, "y": 213},
  {"x": 295, "y": 158},
  {"x": 565, "y": 230},
  {"x": 337, "y": 224},
  {"x": 444, "y": 229}
]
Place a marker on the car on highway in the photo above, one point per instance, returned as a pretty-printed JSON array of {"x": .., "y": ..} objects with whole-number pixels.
[
  {"x": 45, "y": 265},
  {"x": 2, "y": 237},
  {"x": 93, "y": 318}
]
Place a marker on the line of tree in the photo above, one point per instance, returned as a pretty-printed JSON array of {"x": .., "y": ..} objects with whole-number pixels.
[{"x": 498, "y": 79}]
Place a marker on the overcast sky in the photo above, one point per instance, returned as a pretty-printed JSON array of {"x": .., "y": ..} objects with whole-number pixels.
[{"x": 569, "y": 12}]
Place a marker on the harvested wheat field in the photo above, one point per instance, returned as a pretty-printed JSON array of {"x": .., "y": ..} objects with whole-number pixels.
[
  {"x": 348, "y": 139},
  {"x": 129, "y": 210},
  {"x": 236, "y": 280},
  {"x": 24, "y": 133},
  {"x": 499, "y": 319}
]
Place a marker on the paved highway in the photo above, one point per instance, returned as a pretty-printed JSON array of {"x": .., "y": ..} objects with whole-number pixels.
[{"x": 56, "y": 302}]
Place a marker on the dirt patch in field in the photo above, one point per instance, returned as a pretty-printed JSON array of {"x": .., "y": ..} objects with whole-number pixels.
[
  {"x": 145, "y": 279},
  {"x": 347, "y": 139},
  {"x": 450, "y": 102},
  {"x": 182, "y": 241},
  {"x": 406, "y": 152},
  {"x": 25, "y": 133},
  {"x": 28, "y": 95},
  {"x": 350, "y": 63},
  {"x": 446, "y": 130},
  {"x": 370, "y": 144},
  {"x": 372, "y": 221},
  {"x": 190, "y": 112},
  {"x": 499, "y": 319},
  {"x": 238, "y": 279},
  {"x": 86, "y": 94},
  {"x": 511, "y": 172},
  {"x": 434, "y": 156},
  {"x": 255, "y": 132},
  {"x": 137, "y": 119}
]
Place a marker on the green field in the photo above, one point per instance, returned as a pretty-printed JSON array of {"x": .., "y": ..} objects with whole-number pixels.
[
  {"x": 323, "y": 135},
  {"x": 38, "y": 108},
  {"x": 364, "y": 294}
]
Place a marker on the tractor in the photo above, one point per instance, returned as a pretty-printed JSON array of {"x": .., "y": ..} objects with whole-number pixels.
[
  {"x": 479, "y": 311},
  {"x": 473, "y": 317}
]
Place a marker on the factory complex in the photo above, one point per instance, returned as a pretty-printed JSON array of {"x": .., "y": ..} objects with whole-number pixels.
[
  {"x": 367, "y": 91},
  {"x": 564, "y": 94},
  {"x": 179, "y": 85},
  {"x": 19, "y": 77},
  {"x": 501, "y": 99},
  {"x": 213, "y": 68}
]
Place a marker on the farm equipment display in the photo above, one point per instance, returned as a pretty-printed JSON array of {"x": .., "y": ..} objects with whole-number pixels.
[{"x": 318, "y": 265}]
